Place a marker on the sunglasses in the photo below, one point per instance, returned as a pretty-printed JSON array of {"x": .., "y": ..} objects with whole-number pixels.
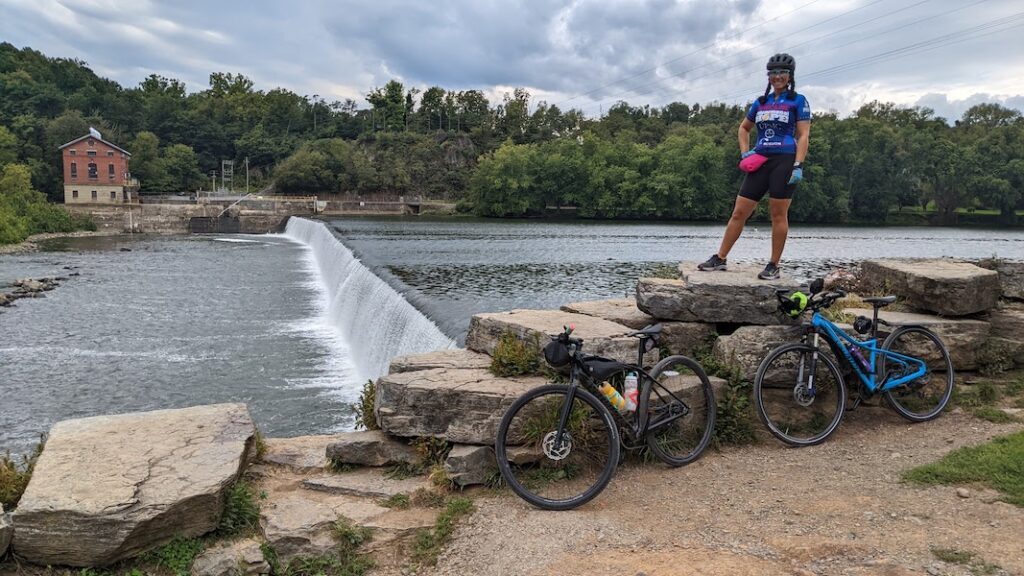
[{"x": 778, "y": 72}]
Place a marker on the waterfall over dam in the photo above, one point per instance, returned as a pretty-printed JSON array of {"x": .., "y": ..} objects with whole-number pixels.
[{"x": 374, "y": 320}]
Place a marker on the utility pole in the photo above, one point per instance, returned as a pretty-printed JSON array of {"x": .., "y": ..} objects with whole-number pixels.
[
  {"x": 213, "y": 181},
  {"x": 247, "y": 172}
]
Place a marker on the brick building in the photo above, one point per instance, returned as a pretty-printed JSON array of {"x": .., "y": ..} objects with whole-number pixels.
[{"x": 95, "y": 171}]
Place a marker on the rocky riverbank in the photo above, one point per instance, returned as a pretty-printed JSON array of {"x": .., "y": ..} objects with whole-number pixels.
[
  {"x": 107, "y": 489},
  {"x": 34, "y": 243}
]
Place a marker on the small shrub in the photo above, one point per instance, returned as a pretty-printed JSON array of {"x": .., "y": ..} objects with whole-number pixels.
[
  {"x": 241, "y": 511},
  {"x": 14, "y": 475},
  {"x": 994, "y": 358},
  {"x": 1015, "y": 388},
  {"x": 429, "y": 543},
  {"x": 987, "y": 393},
  {"x": 349, "y": 536},
  {"x": 734, "y": 421},
  {"x": 260, "y": 444},
  {"x": 340, "y": 467},
  {"x": 439, "y": 477},
  {"x": 428, "y": 498},
  {"x": 396, "y": 501},
  {"x": 431, "y": 450},
  {"x": 994, "y": 415},
  {"x": 365, "y": 408},
  {"x": 513, "y": 357},
  {"x": 177, "y": 555},
  {"x": 270, "y": 555}
]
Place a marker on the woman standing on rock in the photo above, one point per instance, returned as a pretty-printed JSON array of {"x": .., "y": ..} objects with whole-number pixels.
[{"x": 774, "y": 165}]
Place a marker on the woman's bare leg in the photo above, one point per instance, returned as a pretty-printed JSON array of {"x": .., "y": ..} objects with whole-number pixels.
[
  {"x": 740, "y": 213},
  {"x": 779, "y": 209}
]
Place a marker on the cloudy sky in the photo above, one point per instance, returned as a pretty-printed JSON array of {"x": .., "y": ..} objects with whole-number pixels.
[{"x": 585, "y": 54}]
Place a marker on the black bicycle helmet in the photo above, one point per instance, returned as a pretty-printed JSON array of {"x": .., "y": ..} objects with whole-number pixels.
[{"x": 782, "y": 60}]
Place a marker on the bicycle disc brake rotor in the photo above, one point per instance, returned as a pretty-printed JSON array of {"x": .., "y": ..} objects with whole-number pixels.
[
  {"x": 803, "y": 395},
  {"x": 559, "y": 452}
]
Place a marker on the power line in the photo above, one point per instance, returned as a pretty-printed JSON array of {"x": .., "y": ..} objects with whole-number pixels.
[
  {"x": 942, "y": 41},
  {"x": 701, "y": 49},
  {"x": 837, "y": 46}
]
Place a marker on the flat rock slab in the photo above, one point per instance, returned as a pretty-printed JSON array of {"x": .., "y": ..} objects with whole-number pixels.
[
  {"x": 534, "y": 327},
  {"x": 398, "y": 524},
  {"x": 945, "y": 287},
  {"x": 111, "y": 487},
  {"x": 1011, "y": 277},
  {"x": 457, "y": 358},
  {"x": 678, "y": 337},
  {"x": 365, "y": 482},
  {"x": 299, "y": 523},
  {"x": 620, "y": 310},
  {"x": 370, "y": 448},
  {"x": 238, "y": 558},
  {"x": 733, "y": 296},
  {"x": 302, "y": 453},
  {"x": 462, "y": 406},
  {"x": 964, "y": 339},
  {"x": 1008, "y": 331}
]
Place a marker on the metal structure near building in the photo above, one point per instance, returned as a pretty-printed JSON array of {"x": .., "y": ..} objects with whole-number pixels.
[{"x": 227, "y": 174}]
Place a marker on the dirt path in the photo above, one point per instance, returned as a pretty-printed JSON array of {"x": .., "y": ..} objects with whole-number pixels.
[{"x": 839, "y": 508}]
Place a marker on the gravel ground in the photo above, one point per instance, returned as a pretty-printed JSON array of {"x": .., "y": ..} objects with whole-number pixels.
[{"x": 839, "y": 508}]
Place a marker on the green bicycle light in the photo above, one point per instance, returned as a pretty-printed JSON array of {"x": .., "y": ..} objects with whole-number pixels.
[{"x": 799, "y": 299}]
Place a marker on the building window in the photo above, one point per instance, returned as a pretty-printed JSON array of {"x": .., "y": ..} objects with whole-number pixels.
[
  {"x": 113, "y": 195},
  {"x": 91, "y": 152},
  {"x": 73, "y": 152},
  {"x": 92, "y": 171},
  {"x": 110, "y": 171},
  {"x": 93, "y": 194},
  {"x": 74, "y": 170},
  {"x": 110, "y": 152},
  {"x": 74, "y": 193}
]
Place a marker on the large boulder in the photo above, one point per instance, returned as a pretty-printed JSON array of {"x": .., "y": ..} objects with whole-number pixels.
[
  {"x": 677, "y": 337},
  {"x": 6, "y": 531},
  {"x": 964, "y": 339},
  {"x": 619, "y": 310},
  {"x": 462, "y": 406},
  {"x": 941, "y": 286},
  {"x": 238, "y": 558},
  {"x": 457, "y": 358},
  {"x": 108, "y": 488},
  {"x": 734, "y": 296},
  {"x": 1011, "y": 277},
  {"x": 600, "y": 337},
  {"x": 370, "y": 448},
  {"x": 748, "y": 345}
]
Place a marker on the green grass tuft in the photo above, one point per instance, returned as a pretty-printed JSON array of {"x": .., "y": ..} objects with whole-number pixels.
[
  {"x": 994, "y": 415},
  {"x": 513, "y": 357},
  {"x": 397, "y": 501},
  {"x": 998, "y": 464},
  {"x": 14, "y": 475},
  {"x": 241, "y": 511},
  {"x": 177, "y": 555},
  {"x": 430, "y": 542},
  {"x": 365, "y": 417}
]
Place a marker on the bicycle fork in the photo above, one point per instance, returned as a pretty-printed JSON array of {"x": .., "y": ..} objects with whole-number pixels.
[{"x": 809, "y": 390}]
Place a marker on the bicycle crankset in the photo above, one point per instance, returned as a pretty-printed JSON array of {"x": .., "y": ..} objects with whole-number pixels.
[{"x": 560, "y": 452}]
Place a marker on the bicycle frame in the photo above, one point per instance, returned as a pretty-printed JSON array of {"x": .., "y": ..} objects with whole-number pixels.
[{"x": 869, "y": 378}]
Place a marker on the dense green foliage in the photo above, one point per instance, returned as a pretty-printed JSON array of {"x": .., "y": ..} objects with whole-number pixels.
[
  {"x": 513, "y": 158},
  {"x": 24, "y": 211}
]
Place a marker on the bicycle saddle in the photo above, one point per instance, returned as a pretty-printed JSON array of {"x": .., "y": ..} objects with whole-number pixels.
[
  {"x": 652, "y": 330},
  {"x": 879, "y": 301}
]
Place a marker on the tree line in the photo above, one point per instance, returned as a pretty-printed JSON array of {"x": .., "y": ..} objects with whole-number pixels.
[{"x": 512, "y": 158}]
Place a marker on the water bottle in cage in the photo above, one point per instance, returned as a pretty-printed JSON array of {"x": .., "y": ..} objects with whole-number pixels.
[{"x": 858, "y": 356}]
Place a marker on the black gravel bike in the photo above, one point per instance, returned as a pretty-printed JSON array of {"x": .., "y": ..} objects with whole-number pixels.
[{"x": 558, "y": 445}]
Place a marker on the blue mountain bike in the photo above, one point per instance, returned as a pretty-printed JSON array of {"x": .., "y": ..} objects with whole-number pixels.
[{"x": 801, "y": 393}]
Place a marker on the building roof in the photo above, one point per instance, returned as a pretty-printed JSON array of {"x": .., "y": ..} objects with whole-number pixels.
[{"x": 95, "y": 136}]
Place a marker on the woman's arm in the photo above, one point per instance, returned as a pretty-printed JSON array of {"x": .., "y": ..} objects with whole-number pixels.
[
  {"x": 744, "y": 135},
  {"x": 803, "y": 139}
]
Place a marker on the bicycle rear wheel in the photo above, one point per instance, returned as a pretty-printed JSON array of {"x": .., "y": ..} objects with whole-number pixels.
[
  {"x": 557, "y": 477},
  {"x": 923, "y": 398},
  {"x": 786, "y": 404},
  {"x": 681, "y": 408}
]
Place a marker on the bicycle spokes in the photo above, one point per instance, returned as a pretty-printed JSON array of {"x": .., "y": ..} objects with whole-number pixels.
[{"x": 799, "y": 398}]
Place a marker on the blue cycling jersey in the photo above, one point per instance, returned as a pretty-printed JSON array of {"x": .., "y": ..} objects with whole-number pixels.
[{"x": 776, "y": 122}]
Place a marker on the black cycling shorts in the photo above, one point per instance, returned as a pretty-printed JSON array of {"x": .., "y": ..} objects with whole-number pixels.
[{"x": 772, "y": 177}]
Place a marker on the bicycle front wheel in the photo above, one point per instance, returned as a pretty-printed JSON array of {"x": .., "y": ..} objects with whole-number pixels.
[
  {"x": 552, "y": 475},
  {"x": 923, "y": 398},
  {"x": 796, "y": 408},
  {"x": 681, "y": 411}
]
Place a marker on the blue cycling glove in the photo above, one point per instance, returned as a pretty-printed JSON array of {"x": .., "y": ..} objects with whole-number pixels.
[
  {"x": 745, "y": 154},
  {"x": 798, "y": 175}
]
